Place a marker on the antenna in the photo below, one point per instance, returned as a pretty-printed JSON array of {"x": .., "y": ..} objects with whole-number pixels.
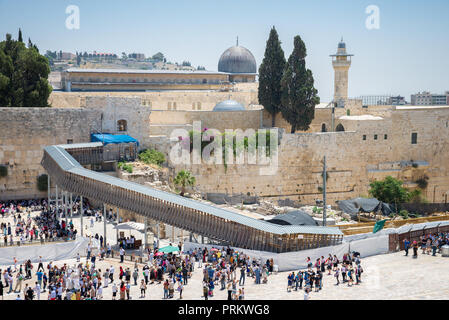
[{"x": 237, "y": 41}]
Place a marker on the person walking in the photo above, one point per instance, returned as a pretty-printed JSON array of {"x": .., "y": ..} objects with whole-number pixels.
[
  {"x": 122, "y": 254},
  {"x": 336, "y": 275},
  {"x": 242, "y": 275},
  {"x": 143, "y": 288},
  {"x": 37, "y": 290},
  {"x": 114, "y": 291},
  {"x": 406, "y": 246},
  {"x": 415, "y": 249}
]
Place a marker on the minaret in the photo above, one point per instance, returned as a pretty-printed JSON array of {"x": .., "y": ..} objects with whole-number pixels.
[{"x": 341, "y": 61}]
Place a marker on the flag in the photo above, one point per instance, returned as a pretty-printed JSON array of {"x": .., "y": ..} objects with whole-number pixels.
[{"x": 379, "y": 225}]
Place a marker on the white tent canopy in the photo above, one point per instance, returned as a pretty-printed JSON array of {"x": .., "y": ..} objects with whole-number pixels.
[{"x": 131, "y": 226}]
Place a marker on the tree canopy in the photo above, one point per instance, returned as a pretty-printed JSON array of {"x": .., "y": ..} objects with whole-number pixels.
[
  {"x": 270, "y": 74},
  {"x": 390, "y": 190},
  {"x": 183, "y": 179},
  {"x": 299, "y": 96},
  {"x": 23, "y": 75}
]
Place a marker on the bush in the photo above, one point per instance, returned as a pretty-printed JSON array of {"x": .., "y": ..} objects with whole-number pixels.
[
  {"x": 3, "y": 171},
  {"x": 422, "y": 182},
  {"x": 126, "y": 167},
  {"x": 151, "y": 156},
  {"x": 404, "y": 214},
  {"x": 42, "y": 182}
]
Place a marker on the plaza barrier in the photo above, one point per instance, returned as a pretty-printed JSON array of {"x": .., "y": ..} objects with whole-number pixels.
[{"x": 48, "y": 252}]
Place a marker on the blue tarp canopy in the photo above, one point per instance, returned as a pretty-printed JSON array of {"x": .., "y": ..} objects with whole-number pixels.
[{"x": 108, "y": 138}]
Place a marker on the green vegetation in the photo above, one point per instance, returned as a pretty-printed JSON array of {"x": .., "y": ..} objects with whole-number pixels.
[
  {"x": 270, "y": 74},
  {"x": 151, "y": 156},
  {"x": 125, "y": 166},
  {"x": 3, "y": 171},
  {"x": 390, "y": 190},
  {"x": 184, "y": 179},
  {"x": 404, "y": 214},
  {"x": 230, "y": 140},
  {"x": 23, "y": 74},
  {"x": 42, "y": 182},
  {"x": 422, "y": 182},
  {"x": 299, "y": 96}
]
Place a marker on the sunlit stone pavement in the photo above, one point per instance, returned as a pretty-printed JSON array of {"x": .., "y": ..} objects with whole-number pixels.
[{"x": 390, "y": 276}]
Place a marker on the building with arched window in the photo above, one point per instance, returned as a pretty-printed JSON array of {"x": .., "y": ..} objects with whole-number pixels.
[{"x": 122, "y": 125}]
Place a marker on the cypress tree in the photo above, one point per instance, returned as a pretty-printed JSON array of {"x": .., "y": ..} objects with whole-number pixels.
[
  {"x": 270, "y": 75},
  {"x": 20, "y": 39},
  {"x": 299, "y": 96}
]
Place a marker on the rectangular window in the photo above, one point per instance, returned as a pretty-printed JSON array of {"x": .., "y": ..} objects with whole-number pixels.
[
  {"x": 364, "y": 137},
  {"x": 375, "y": 137},
  {"x": 414, "y": 138},
  {"x": 69, "y": 141},
  {"x": 385, "y": 137}
]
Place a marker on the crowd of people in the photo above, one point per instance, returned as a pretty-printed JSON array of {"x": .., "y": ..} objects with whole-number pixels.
[
  {"x": 429, "y": 243},
  {"x": 48, "y": 224}
]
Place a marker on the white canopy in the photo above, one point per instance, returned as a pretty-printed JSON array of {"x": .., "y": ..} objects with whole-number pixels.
[{"x": 131, "y": 226}]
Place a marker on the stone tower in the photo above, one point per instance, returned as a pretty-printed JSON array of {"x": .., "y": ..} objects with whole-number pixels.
[{"x": 341, "y": 61}]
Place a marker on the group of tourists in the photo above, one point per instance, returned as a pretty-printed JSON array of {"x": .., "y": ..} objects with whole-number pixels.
[
  {"x": 221, "y": 268},
  {"x": 429, "y": 243},
  {"x": 349, "y": 268}
]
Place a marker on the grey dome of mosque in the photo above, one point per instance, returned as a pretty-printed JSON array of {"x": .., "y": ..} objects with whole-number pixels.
[
  {"x": 237, "y": 59},
  {"x": 228, "y": 105}
]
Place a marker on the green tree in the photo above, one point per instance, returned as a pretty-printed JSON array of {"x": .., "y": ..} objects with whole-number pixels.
[
  {"x": 23, "y": 75},
  {"x": 390, "y": 190},
  {"x": 183, "y": 179},
  {"x": 270, "y": 76},
  {"x": 19, "y": 38},
  {"x": 299, "y": 96}
]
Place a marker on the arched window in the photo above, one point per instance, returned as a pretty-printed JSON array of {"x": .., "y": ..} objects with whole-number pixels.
[
  {"x": 340, "y": 128},
  {"x": 323, "y": 128},
  {"x": 122, "y": 125}
]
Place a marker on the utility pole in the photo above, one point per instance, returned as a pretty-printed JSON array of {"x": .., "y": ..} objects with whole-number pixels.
[{"x": 324, "y": 191}]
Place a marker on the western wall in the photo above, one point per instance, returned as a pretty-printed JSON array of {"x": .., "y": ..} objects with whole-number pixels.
[
  {"x": 354, "y": 157},
  {"x": 24, "y": 134}
]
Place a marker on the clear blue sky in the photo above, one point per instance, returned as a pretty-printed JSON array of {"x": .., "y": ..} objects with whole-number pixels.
[{"x": 409, "y": 53}]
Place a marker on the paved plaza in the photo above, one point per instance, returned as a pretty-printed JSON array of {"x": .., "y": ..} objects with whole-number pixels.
[{"x": 390, "y": 276}]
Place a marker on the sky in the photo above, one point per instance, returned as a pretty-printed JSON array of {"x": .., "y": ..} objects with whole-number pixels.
[{"x": 409, "y": 52}]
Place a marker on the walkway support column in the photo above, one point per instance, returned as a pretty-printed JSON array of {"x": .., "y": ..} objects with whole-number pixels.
[
  {"x": 71, "y": 208},
  {"x": 157, "y": 242},
  {"x": 104, "y": 217},
  {"x": 118, "y": 221},
  {"x": 57, "y": 203},
  {"x": 48, "y": 190},
  {"x": 64, "y": 195},
  {"x": 145, "y": 235},
  {"x": 82, "y": 214}
]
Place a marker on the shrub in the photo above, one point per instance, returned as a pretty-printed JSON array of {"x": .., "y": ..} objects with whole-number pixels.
[
  {"x": 126, "y": 167},
  {"x": 42, "y": 182},
  {"x": 3, "y": 171},
  {"x": 151, "y": 156},
  {"x": 422, "y": 182},
  {"x": 404, "y": 214}
]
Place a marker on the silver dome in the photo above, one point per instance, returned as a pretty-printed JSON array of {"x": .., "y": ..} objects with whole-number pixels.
[
  {"x": 228, "y": 105},
  {"x": 237, "y": 59}
]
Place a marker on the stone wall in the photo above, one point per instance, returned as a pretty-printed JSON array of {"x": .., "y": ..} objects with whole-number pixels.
[
  {"x": 352, "y": 161},
  {"x": 23, "y": 135},
  {"x": 122, "y": 108},
  {"x": 185, "y": 100},
  {"x": 209, "y": 119}
]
